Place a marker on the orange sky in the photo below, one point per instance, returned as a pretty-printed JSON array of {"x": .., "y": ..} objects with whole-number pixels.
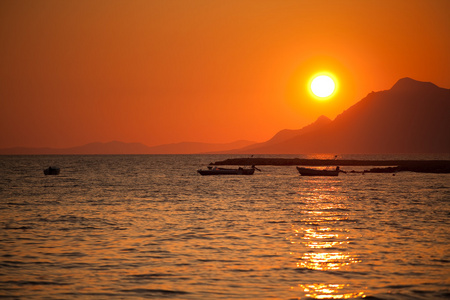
[{"x": 164, "y": 71}]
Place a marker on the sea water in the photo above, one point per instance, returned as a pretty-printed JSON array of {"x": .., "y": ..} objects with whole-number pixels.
[{"x": 150, "y": 227}]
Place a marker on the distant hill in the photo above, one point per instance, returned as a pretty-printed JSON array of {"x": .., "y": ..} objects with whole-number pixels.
[
  {"x": 116, "y": 147},
  {"x": 411, "y": 117},
  {"x": 284, "y": 135},
  {"x": 195, "y": 148}
]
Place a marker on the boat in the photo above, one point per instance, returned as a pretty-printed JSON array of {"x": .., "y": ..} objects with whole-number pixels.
[
  {"x": 316, "y": 172},
  {"x": 52, "y": 171},
  {"x": 224, "y": 171}
]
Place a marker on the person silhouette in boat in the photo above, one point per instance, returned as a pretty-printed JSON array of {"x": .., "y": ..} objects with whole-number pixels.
[{"x": 339, "y": 170}]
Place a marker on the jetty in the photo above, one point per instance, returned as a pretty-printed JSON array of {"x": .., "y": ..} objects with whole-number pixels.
[{"x": 390, "y": 166}]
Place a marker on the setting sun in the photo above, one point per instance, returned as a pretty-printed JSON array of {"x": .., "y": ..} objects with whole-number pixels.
[{"x": 322, "y": 86}]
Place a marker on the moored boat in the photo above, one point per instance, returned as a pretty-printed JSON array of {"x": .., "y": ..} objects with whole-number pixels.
[
  {"x": 52, "y": 171},
  {"x": 225, "y": 171},
  {"x": 315, "y": 172}
]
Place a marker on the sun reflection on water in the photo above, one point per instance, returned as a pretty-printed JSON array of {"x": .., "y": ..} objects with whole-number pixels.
[
  {"x": 326, "y": 261},
  {"x": 328, "y": 291},
  {"x": 321, "y": 242}
]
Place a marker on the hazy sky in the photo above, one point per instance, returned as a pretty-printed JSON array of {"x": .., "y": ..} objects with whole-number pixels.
[{"x": 75, "y": 72}]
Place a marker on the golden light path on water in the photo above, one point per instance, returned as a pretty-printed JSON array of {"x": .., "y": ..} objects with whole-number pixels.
[{"x": 322, "y": 239}]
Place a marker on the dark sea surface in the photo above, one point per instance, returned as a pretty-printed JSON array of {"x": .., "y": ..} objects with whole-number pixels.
[{"x": 150, "y": 227}]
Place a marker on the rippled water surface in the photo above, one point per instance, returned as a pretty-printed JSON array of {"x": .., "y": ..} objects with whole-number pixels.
[{"x": 131, "y": 227}]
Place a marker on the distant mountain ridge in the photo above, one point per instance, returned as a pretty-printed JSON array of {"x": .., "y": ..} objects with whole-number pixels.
[
  {"x": 284, "y": 135},
  {"x": 116, "y": 147},
  {"x": 411, "y": 117},
  {"x": 197, "y": 147}
]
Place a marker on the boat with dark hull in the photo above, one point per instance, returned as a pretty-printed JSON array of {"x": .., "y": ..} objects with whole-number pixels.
[
  {"x": 52, "y": 171},
  {"x": 316, "y": 172},
  {"x": 225, "y": 171}
]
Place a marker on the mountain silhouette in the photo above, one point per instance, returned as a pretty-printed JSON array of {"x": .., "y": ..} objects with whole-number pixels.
[
  {"x": 116, "y": 147},
  {"x": 196, "y": 147},
  {"x": 411, "y": 117},
  {"x": 284, "y": 135},
  {"x": 113, "y": 147}
]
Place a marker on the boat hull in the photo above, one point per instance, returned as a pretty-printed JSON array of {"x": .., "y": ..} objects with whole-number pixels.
[
  {"x": 221, "y": 171},
  {"x": 52, "y": 171},
  {"x": 314, "y": 172}
]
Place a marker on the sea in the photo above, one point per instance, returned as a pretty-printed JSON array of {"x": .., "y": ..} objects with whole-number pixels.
[{"x": 150, "y": 227}]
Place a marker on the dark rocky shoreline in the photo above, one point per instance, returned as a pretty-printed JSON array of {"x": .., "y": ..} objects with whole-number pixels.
[{"x": 390, "y": 166}]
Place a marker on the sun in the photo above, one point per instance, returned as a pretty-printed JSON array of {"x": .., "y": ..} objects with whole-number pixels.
[{"x": 322, "y": 86}]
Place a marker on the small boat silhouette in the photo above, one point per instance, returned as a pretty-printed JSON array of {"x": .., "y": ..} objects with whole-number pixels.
[
  {"x": 52, "y": 171},
  {"x": 315, "y": 172},
  {"x": 224, "y": 171}
]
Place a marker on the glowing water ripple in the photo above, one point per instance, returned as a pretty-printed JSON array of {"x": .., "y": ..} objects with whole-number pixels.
[
  {"x": 328, "y": 291},
  {"x": 320, "y": 236}
]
